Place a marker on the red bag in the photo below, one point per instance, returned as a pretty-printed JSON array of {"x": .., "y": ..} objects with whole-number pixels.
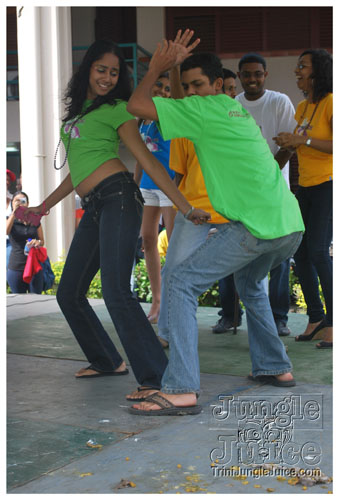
[{"x": 35, "y": 256}]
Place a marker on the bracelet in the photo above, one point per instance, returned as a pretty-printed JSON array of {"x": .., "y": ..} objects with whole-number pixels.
[
  {"x": 44, "y": 211},
  {"x": 187, "y": 214}
]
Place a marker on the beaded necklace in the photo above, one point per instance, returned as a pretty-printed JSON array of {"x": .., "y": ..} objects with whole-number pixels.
[
  {"x": 68, "y": 145},
  {"x": 306, "y": 126}
]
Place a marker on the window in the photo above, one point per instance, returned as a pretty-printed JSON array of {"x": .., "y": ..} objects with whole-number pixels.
[{"x": 233, "y": 31}]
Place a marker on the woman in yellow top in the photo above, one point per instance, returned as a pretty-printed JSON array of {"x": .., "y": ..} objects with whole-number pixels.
[{"x": 312, "y": 140}]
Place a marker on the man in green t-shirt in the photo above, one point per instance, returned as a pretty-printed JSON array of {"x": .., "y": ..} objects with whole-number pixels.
[{"x": 245, "y": 185}]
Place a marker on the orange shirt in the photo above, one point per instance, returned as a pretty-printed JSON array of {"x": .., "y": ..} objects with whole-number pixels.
[
  {"x": 184, "y": 161},
  {"x": 315, "y": 167}
]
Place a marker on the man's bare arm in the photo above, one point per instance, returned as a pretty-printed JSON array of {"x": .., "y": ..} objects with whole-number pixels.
[
  {"x": 282, "y": 157},
  {"x": 167, "y": 56}
]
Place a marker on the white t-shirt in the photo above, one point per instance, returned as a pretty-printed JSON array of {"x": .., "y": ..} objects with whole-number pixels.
[{"x": 273, "y": 113}]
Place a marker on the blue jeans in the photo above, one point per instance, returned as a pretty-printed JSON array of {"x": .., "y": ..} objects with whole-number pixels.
[
  {"x": 107, "y": 238},
  {"x": 232, "y": 249},
  {"x": 8, "y": 251},
  {"x": 312, "y": 258},
  {"x": 17, "y": 285},
  {"x": 185, "y": 238}
]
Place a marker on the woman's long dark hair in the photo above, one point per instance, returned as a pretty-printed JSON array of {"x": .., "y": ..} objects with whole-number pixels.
[
  {"x": 322, "y": 75},
  {"x": 76, "y": 92}
]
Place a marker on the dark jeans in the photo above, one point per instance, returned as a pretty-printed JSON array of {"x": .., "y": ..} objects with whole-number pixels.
[
  {"x": 227, "y": 293},
  {"x": 279, "y": 291},
  {"x": 107, "y": 238},
  {"x": 17, "y": 285},
  {"x": 312, "y": 258}
]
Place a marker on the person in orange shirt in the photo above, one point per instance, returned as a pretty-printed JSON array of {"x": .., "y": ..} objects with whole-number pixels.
[{"x": 313, "y": 142}]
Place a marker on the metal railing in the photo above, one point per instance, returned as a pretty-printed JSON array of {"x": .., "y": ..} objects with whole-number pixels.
[{"x": 138, "y": 64}]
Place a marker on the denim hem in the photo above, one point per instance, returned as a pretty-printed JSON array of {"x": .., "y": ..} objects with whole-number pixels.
[
  {"x": 180, "y": 391},
  {"x": 272, "y": 372}
]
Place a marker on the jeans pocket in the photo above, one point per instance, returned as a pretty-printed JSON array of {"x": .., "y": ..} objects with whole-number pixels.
[
  {"x": 108, "y": 194},
  {"x": 139, "y": 202}
]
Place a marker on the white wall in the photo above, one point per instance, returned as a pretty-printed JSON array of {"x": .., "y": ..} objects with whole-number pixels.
[
  {"x": 13, "y": 122},
  {"x": 150, "y": 26},
  {"x": 83, "y": 29}
]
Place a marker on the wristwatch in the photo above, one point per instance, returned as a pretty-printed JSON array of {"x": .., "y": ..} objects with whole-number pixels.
[{"x": 308, "y": 142}]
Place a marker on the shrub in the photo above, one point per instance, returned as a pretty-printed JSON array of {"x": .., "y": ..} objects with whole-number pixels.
[
  {"x": 94, "y": 291},
  {"x": 209, "y": 298},
  {"x": 144, "y": 292}
]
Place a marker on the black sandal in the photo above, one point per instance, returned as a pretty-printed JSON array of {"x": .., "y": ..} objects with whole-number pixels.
[
  {"x": 324, "y": 345},
  {"x": 304, "y": 338}
]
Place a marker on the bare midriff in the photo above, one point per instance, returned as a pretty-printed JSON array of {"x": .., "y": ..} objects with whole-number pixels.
[{"x": 110, "y": 167}]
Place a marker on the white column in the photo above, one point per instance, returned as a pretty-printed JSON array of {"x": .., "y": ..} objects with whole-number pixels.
[{"x": 45, "y": 66}]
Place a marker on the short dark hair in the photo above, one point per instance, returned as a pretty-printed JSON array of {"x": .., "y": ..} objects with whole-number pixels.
[
  {"x": 210, "y": 65},
  {"x": 76, "y": 92},
  {"x": 228, "y": 73},
  {"x": 322, "y": 65},
  {"x": 252, "y": 57}
]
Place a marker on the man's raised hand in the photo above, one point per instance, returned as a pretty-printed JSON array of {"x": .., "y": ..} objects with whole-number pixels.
[
  {"x": 183, "y": 48},
  {"x": 172, "y": 53}
]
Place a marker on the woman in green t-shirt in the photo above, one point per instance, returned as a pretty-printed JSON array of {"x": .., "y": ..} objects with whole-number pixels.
[{"x": 107, "y": 235}]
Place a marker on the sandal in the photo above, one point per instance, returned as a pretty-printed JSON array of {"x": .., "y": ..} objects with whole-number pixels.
[
  {"x": 304, "y": 338},
  {"x": 272, "y": 380},
  {"x": 324, "y": 345},
  {"x": 141, "y": 389},
  {"x": 102, "y": 374},
  {"x": 166, "y": 408}
]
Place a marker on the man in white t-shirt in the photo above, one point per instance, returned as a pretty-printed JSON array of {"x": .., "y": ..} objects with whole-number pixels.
[{"x": 273, "y": 113}]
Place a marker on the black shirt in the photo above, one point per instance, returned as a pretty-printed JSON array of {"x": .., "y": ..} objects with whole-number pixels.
[{"x": 19, "y": 234}]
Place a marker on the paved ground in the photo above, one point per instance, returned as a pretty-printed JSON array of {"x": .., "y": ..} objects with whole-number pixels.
[{"x": 53, "y": 418}]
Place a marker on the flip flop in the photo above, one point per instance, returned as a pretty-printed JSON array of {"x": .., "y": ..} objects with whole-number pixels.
[
  {"x": 102, "y": 374},
  {"x": 141, "y": 389},
  {"x": 166, "y": 408},
  {"x": 272, "y": 380},
  {"x": 324, "y": 345}
]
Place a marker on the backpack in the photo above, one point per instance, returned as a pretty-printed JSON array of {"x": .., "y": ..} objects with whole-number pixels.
[{"x": 49, "y": 276}]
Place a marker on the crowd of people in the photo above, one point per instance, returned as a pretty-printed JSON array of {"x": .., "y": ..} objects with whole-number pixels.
[{"x": 236, "y": 219}]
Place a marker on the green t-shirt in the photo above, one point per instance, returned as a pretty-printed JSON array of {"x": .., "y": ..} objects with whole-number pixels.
[
  {"x": 243, "y": 181},
  {"x": 94, "y": 138}
]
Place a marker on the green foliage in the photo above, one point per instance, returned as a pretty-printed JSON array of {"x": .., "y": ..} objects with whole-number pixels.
[
  {"x": 210, "y": 298},
  {"x": 94, "y": 291},
  {"x": 299, "y": 297},
  {"x": 296, "y": 292},
  {"x": 143, "y": 287}
]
